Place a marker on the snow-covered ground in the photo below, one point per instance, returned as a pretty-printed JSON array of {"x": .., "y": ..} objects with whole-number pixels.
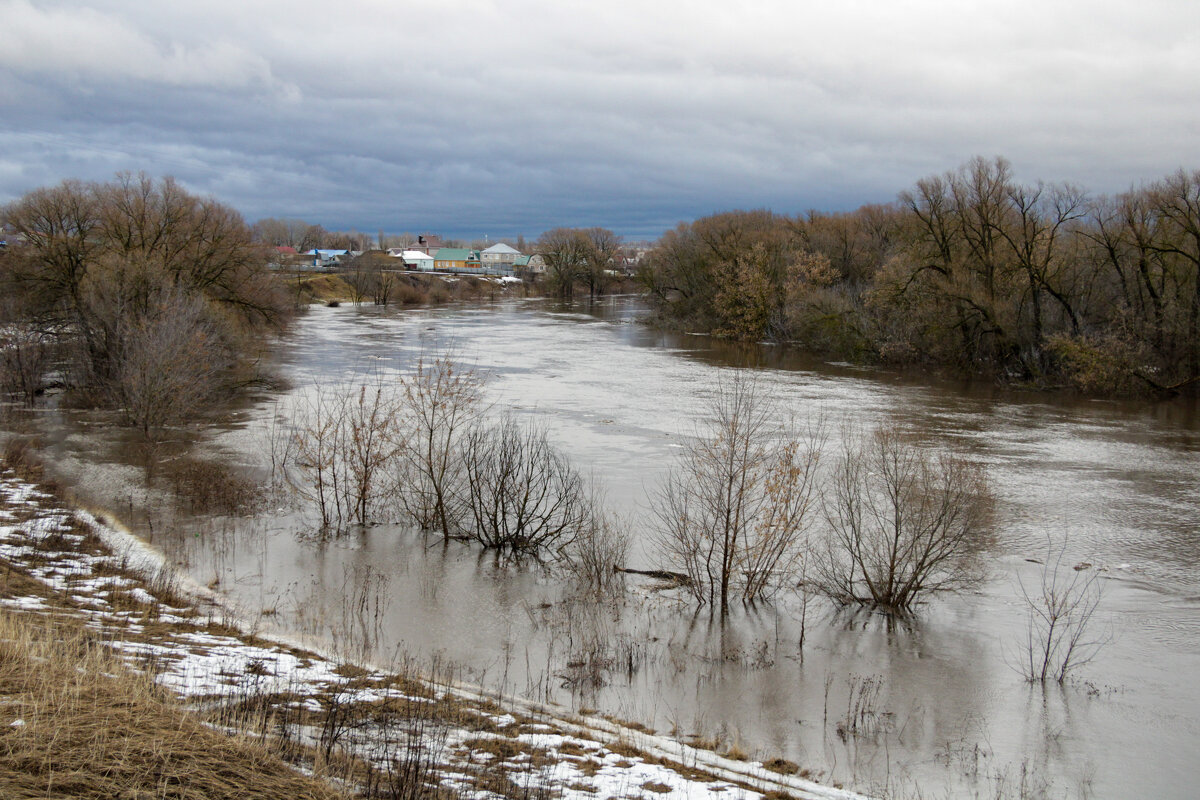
[{"x": 194, "y": 645}]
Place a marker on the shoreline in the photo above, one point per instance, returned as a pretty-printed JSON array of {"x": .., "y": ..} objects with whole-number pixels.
[{"x": 208, "y": 655}]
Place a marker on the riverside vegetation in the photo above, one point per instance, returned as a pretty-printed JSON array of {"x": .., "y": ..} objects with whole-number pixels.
[
  {"x": 147, "y": 299},
  {"x": 1037, "y": 284},
  {"x": 138, "y": 297},
  {"x": 119, "y": 682},
  {"x": 739, "y": 517},
  {"x": 150, "y": 298}
]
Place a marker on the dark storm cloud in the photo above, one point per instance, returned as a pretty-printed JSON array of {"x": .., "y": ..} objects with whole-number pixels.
[{"x": 507, "y": 117}]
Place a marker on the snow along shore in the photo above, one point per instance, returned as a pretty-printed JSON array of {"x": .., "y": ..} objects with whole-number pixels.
[{"x": 162, "y": 620}]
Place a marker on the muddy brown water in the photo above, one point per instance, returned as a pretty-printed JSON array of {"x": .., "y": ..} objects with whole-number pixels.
[{"x": 941, "y": 710}]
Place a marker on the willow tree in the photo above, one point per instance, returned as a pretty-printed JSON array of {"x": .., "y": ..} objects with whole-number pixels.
[
  {"x": 734, "y": 512},
  {"x": 565, "y": 251},
  {"x": 102, "y": 265},
  {"x": 903, "y": 524}
]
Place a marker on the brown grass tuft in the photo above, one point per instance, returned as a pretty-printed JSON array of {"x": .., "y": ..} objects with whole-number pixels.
[
  {"x": 212, "y": 487},
  {"x": 736, "y": 753},
  {"x": 782, "y": 766},
  {"x": 91, "y": 729},
  {"x": 21, "y": 456}
]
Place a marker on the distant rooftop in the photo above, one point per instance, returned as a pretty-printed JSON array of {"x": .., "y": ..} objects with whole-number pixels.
[
  {"x": 456, "y": 254},
  {"x": 501, "y": 247}
]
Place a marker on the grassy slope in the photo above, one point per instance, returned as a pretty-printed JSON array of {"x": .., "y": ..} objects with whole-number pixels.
[
  {"x": 91, "y": 728},
  {"x": 86, "y": 651}
]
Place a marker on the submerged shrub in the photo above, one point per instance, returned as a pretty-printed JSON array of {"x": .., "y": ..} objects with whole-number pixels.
[
  {"x": 733, "y": 516},
  {"x": 903, "y": 523},
  {"x": 524, "y": 497}
]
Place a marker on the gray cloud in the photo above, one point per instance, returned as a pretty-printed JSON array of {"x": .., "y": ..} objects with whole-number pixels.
[{"x": 506, "y": 116}]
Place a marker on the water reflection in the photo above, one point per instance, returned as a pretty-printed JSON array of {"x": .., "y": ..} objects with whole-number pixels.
[{"x": 928, "y": 700}]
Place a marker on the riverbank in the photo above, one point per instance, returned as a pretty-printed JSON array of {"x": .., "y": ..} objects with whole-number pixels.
[
  {"x": 75, "y": 583},
  {"x": 400, "y": 288}
]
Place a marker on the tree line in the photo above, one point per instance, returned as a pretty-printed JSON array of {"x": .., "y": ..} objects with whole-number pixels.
[
  {"x": 971, "y": 269},
  {"x": 145, "y": 298},
  {"x": 579, "y": 257}
]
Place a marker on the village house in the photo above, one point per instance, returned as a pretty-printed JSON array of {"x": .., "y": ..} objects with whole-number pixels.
[
  {"x": 532, "y": 265},
  {"x": 417, "y": 259},
  {"x": 499, "y": 256},
  {"x": 329, "y": 258},
  {"x": 457, "y": 259},
  {"x": 428, "y": 243}
]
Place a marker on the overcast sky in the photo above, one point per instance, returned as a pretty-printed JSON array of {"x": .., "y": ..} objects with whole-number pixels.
[{"x": 498, "y": 117}]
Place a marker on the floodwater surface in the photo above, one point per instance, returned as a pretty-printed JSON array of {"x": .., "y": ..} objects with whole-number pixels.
[{"x": 934, "y": 704}]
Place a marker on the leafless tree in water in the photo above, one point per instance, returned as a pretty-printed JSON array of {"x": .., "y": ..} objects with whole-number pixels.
[
  {"x": 439, "y": 402},
  {"x": 734, "y": 513},
  {"x": 345, "y": 440},
  {"x": 601, "y": 547},
  {"x": 1061, "y": 610},
  {"x": 903, "y": 523},
  {"x": 524, "y": 496}
]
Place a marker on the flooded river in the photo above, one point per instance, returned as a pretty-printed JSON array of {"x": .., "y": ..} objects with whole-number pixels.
[{"x": 940, "y": 708}]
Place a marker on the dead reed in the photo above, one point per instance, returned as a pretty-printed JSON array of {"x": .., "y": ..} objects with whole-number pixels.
[{"x": 76, "y": 723}]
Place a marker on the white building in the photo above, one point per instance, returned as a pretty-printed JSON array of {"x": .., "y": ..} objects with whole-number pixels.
[
  {"x": 415, "y": 259},
  {"x": 499, "y": 255}
]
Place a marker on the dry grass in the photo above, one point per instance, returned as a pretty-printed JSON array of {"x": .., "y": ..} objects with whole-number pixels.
[
  {"x": 499, "y": 748},
  {"x": 736, "y": 753},
  {"x": 782, "y": 766},
  {"x": 323, "y": 288},
  {"x": 21, "y": 456},
  {"x": 212, "y": 487},
  {"x": 627, "y": 723},
  {"x": 91, "y": 728}
]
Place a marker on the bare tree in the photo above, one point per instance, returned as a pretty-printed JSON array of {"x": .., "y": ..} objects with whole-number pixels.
[
  {"x": 1061, "y": 610},
  {"x": 384, "y": 287},
  {"x": 1178, "y": 204},
  {"x": 167, "y": 360},
  {"x": 601, "y": 248},
  {"x": 361, "y": 278},
  {"x": 370, "y": 276},
  {"x": 25, "y": 354},
  {"x": 904, "y": 524},
  {"x": 441, "y": 400},
  {"x": 734, "y": 513},
  {"x": 346, "y": 441},
  {"x": 370, "y": 445},
  {"x": 287, "y": 232},
  {"x": 525, "y": 498},
  {"x": 280, "y": 445},
  {"x": 316, "y": 461},
  {"x": 565, "y": 251},
  {"x": 99, "y": 260}
]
